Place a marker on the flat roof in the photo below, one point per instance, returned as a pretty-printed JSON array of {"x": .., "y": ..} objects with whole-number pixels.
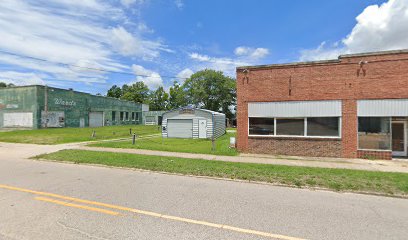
[
  {"x": 70, "y": 89},
  {"x": 365, "y": 54}
]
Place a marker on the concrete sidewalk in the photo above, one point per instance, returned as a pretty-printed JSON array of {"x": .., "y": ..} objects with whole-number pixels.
[
  {"x": 357, "y": 164},
  {"x": 18, "y": 150}
]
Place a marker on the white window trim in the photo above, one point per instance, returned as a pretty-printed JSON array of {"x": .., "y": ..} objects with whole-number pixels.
[{"x": 296, "y": 136}]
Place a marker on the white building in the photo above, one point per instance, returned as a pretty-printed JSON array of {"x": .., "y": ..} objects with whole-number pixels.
[{"x": 193, "y": 123}]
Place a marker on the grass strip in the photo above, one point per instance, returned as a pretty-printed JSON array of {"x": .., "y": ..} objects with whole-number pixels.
[
  {"x": 69, "y": 135},
  {"x": 203, "y": 146},
  {"x": 335, "y": 179}
]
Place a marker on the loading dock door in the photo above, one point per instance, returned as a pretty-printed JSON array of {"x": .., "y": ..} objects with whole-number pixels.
[
  {"x": 18, "y": 119},
  {"x": 180, "y": 128},
  {"x": 95, "y": 119}
]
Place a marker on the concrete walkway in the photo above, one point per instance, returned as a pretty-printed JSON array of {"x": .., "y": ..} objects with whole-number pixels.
[
  {"x": 18, "y": 150},
  {"x": 358, "y": 164}
]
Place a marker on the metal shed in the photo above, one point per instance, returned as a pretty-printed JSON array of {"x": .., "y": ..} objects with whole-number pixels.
[{"x": 193, "y": 123}]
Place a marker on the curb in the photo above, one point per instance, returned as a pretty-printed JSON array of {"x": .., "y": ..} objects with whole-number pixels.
[{"x": 400, "y": 196}]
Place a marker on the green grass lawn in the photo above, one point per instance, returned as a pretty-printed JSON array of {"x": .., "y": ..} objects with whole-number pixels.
[
  {"x": 68, "y": 135},
  {"x": 176, "y": 145},
  {"x": 335, "y": 179}
]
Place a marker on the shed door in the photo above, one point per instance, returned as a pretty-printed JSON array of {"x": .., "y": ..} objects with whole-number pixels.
[
  {"x": 202, "y": 129},
  {"x": 18, "y": 119},
  {"x": 95, "y": 119},
  {"x": 180, "y": 128}
]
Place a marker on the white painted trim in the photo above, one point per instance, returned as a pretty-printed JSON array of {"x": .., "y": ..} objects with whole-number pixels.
[
  {"x": 294, "y": 136},
  {"x": 373, "y": 150}
]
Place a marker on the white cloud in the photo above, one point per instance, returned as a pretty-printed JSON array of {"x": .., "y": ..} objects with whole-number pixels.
[
  {"x": 129, "y": 45},
  {"x": 72, "y": 32},
  {"x": 179, "y": 4},
  {"x": 151, "y": 78},
  {"x": 255, "y": 53},
  {"x": 378, "y": 28},
  {"x": 184, "y": 74},
  {"x": 227, "y": 65},
  {"x": 128, "y": 3},
  {"x": 20, "y": 78}
]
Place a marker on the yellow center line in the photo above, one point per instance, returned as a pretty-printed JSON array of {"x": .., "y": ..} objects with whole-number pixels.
[
  {"x": 67, "y": 204},
  {"x": 142, "y": 212}
]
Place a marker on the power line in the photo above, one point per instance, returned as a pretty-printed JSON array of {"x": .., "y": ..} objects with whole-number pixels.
[{"x": 87, "y": 68}]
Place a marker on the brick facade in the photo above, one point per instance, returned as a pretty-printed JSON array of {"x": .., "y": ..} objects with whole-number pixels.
[
  {"x": 381, "y": 75},
  {"x": 374, "y": 154},
  {"x": 296, "y": 146}
]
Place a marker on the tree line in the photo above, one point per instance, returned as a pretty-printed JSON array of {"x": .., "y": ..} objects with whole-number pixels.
[
  {"x": 208, "y": 89},
  {"x": 5, "y": 85}
]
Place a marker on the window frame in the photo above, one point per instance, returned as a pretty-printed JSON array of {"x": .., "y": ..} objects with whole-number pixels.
[
  {"x": 296, "y": 136},
  {"x": 274, "y": 127},
  {"x": 374, "y": 150}
]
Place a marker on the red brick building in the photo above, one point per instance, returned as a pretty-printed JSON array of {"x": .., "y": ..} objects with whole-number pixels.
[{"x": 354, "y": 106}]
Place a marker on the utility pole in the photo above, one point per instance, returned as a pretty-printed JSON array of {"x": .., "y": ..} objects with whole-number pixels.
[{"x": 46, "y": 106}]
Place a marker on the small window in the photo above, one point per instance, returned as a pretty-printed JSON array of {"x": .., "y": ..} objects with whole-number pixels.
[
  {"x": 113, "y": 116},
  {"x": 261, "y": 126},
  {"x": 121, "y": 116},
  {"x": 127, "y": 116},
  {"x": 374, "y": 133},
  {"x": 323, "y": 126},
  {"x": 292, "y": 127},
  {"x": 133, "y": 116}
]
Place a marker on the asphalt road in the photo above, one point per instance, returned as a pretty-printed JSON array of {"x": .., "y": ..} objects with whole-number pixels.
[{"x": 47, "y": 200}]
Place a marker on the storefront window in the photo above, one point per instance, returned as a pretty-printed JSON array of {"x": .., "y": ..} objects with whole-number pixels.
[
  {"x": 261, "y": 126},
  {"x": 374, "y": 133},
  {"x": 323, "y": 126},
  {"x": 295, "y": 127}
]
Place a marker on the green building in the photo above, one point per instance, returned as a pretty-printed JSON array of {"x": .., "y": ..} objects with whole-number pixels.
[{"x": 45, "y": 107}]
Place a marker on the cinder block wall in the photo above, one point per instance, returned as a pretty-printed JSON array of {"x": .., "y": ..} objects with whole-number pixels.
[{"x": 384, "y": 76}]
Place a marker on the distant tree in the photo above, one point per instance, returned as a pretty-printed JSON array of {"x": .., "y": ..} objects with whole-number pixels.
[
  {"x": 137, "y": 92},
  {"x": 159, "y": 100},
  {"x": 98, "y": 94},
  {"x": 3, "y": 85},
  {"x": 115, "y": 92},
  {"x": 10, "y": 85},
  {"x": 211, "y": 90},
  {"x": 177, "y": 97}
]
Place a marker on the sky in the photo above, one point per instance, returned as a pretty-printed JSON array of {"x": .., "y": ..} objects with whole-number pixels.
[{"x": 90, "y": 45}]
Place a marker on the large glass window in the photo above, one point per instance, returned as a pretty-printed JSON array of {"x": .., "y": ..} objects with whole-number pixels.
[
  {"x": 293, "y": 126},
  {"x": 261, "y": 126},
  {"x": 374, "y": 133},
  {"x": 323, "y": 126}
]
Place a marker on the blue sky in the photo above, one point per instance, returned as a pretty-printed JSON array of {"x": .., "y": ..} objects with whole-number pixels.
[{"x": 167, "y": 40}]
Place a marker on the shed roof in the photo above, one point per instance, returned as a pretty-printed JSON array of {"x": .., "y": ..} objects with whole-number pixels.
[{"x": 199, "y": 109}]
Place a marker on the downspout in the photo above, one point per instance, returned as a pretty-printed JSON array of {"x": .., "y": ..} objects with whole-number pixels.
[{"x": 213, "y": 127}]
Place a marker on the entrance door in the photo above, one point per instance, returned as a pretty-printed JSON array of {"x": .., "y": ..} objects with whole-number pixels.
[
  {"x": 399, "y": 139},
  {"x": 202, "y": 128},
  {"x": 95, "y": 119}
]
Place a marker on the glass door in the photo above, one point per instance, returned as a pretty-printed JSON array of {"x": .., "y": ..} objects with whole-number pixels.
[{"x": 399, "y": 143}]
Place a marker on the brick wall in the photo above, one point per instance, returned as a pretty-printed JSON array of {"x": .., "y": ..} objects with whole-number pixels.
[
  {"x": 315, "y": 147},
  {"x": 366, "y": 154},
  {"x": 384, "y": 76}
]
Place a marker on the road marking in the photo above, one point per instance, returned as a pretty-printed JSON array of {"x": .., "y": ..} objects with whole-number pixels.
[
  {"x": 147, "y": 213},
  {"x": 67, "y": 204}
]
